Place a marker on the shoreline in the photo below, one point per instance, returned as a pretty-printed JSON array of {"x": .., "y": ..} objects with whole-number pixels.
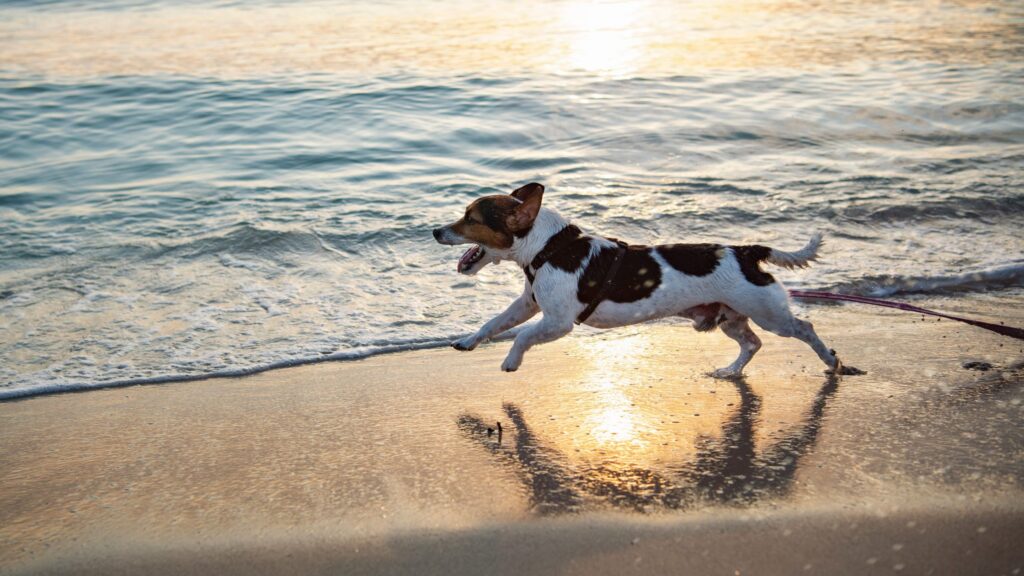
[
  {"x": 804, "y": 304},
  {"x": 74, "y": 388}
]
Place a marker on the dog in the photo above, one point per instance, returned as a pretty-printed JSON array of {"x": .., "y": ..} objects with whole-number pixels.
[{"x": 574, "y": 277}]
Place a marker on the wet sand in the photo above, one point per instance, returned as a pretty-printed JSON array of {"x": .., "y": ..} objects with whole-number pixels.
[{"x": 618, "y": 454}]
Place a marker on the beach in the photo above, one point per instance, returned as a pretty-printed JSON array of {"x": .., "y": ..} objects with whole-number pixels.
[
  {"x": 618, "y": 455},
  {"x": 225, "y": 322}
]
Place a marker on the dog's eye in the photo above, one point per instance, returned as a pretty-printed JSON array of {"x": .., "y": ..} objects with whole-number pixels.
[{"x": 469, "y": 219}]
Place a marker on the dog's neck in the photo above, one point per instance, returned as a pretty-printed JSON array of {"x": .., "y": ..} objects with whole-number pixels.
[{"x": 545, "y": 225}]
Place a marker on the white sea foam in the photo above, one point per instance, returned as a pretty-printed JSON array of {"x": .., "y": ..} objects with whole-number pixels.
[
  {"x": 189, "y": 355},
  {"x": 49, "y": 383}
]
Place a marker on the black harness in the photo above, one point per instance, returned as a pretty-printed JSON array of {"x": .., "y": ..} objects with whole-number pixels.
[{"x": 560, "y": 241}]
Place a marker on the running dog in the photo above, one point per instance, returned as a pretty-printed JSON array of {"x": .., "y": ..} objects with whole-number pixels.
[{"x": 601, "y": 282}]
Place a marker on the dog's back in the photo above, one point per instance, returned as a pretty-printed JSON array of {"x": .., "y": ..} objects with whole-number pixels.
[{"x": 667, "y": 279}]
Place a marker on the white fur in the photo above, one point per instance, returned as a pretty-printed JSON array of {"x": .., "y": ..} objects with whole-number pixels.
[
  {"x": 555, "y": 294},
  {"x": 799, "y": 259}
]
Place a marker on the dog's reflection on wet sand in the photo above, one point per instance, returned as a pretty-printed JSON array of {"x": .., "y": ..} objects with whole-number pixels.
[{"x": 727, "y": 469}]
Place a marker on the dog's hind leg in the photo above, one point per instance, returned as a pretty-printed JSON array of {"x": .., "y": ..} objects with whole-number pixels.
[
  {"x": 736, "y": 327},
  {"x": 804, "y": 331},
  {"x": 788, "y": 326},
  {"x": 769, "y": 308}
]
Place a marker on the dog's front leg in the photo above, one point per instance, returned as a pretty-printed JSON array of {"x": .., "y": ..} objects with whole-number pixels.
[
  {"x": 521, "y": 310},
  {"x": 551, "y": 327}
]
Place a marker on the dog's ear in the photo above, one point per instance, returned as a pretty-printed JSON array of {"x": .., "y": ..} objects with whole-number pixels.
[
  {"x": 522, "y": 217},
  {"x": 523, "y": 192}
]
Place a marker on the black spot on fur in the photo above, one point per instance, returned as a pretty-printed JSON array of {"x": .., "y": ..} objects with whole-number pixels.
[
  {"x": 567, "y": 249},
  {"x": 638, "y": 276},
  {"x": 692, "y": 259},
  {"x": 750, "y": 258},
  {"x": 529, "y": 278}
]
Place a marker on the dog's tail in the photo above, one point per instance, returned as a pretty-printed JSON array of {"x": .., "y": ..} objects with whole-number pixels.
[{"x": 799, "y": 259}]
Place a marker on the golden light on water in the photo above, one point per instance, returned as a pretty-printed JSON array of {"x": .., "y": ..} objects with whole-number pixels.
[
  {"x": 599, "y": 37},
  {"x": 604, "y": 35},
  {"x": 613, "y": 417},
  {"x": 614, "y": 422},
  {"x": 623, "y": 414},
  {"x": 642, "y": 398}
]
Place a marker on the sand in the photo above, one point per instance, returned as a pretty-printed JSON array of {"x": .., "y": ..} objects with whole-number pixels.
[{"x": 618, "y": 454}]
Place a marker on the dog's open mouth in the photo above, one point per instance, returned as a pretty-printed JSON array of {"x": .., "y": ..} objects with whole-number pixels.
[{"x": 472, "y": 256}]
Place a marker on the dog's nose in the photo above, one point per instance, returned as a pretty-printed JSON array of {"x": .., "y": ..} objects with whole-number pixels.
[{"x": 437, "y": 233}]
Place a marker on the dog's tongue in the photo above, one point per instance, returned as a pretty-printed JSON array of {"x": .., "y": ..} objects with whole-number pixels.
[{"x": 466, "y": 257}]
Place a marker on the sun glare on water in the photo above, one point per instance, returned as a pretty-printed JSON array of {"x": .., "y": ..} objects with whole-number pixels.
[
  {"x": 632, "y": 404},
  {"x": 613, "y": 419},
  {"x": 603, "y": 36}
]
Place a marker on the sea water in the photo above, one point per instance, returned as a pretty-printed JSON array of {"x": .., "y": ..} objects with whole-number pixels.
[{"x": 191, "y": 189}]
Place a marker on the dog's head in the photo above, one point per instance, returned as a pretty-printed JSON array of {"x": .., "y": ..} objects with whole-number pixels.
[{"x": 492, "y": 224}]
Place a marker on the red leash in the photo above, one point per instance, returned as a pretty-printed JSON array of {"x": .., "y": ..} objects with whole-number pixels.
[{"x": 997, "y": 328}]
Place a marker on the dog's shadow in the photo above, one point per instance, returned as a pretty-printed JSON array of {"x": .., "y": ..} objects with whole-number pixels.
[{"x": 726, "y": 470}]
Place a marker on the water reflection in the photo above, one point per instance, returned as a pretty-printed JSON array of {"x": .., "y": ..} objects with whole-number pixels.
[{"x": 727, "y": 469}]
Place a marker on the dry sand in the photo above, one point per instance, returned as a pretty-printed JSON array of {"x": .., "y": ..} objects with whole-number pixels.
[{"x": 618, "y": 455}]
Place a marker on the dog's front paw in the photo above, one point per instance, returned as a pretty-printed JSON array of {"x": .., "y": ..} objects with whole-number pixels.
[
  {"x": 511, "y": 363},
  {"x": 465, "y": 344}
]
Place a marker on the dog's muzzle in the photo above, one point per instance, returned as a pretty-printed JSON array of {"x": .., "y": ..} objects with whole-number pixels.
[
  {"x": 473, "y": 259},
  {"x": 444, "y": 235}
]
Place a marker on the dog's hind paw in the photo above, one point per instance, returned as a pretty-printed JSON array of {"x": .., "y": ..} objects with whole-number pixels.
[
  {"x": 843, "y": 370},
  {"x": 726, "y": 373},
  {"x": 849, "y": 371}
]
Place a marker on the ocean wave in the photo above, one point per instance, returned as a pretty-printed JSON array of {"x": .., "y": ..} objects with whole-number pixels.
[
  {"x": 269, "y": 242},
  {"x": 884, "y": 285},
  {"x": 952, "y": 206}
]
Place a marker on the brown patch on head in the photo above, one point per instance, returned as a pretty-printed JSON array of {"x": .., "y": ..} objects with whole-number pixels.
[{"x": 486, "y": 220}]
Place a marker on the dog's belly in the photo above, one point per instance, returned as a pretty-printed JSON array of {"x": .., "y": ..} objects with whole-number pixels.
[
  {"x": 663, "y": 303},
  {"x": 613, "y": 315},
  {"x": 616, "y": 317}
]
